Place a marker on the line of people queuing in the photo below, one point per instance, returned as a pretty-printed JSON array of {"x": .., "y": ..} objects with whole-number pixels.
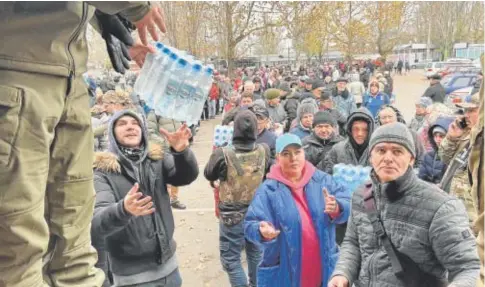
[
  {"x": 299, "y": 217},
  {"x": 276, "y": 197}
]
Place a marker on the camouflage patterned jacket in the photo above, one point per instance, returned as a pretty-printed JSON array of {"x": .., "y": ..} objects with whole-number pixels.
[
  {"x": 450, "y": 150},
  {"x": 221, "y": 166},
  {"x": 154, "y": 123}
]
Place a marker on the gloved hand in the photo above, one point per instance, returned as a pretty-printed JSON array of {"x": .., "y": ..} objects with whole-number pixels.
[{"x": 116, "y": 31}]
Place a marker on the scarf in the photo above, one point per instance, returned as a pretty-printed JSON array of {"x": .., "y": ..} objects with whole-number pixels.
[{"x": 132, "y": 154}]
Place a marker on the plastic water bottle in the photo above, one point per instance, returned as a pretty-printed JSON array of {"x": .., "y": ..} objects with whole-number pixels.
[
  {"x": 223, "y": 135},
  {"x": 159, "y": 70},
  {"x": 186, "y": 95},
  {"x": 166, "y": 104},
  {"x": 163, "y": 75},
  {"x": 201, "y": 91},
  {"x": 145, "y": 70}
]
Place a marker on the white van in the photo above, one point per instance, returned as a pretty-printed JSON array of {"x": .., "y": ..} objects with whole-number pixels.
[{"x": 432, "y": 68}]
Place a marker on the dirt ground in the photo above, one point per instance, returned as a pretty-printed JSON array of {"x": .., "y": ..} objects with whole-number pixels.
[{"x": 196, "y": 229}]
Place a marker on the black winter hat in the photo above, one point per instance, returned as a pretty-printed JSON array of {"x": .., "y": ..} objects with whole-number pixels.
[
  {"x": 326, "y": 95},
  {"x": 324, "y": 117},
  {"x": 245, "y": 128}
]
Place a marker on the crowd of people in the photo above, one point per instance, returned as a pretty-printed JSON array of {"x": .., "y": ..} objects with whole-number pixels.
[
  {"x": 290, "y": 129},
  {"x": 412, "y": 223}
]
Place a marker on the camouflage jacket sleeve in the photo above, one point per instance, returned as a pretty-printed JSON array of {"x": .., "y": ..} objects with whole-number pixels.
[
  {"x": 153, "y": 130},
  {"x": 132, "y": 10},
  {"x": 450, "y": 147},
  {"x": 99, "y": 130}
]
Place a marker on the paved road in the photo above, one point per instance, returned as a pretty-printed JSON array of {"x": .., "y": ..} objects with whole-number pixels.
[{"x": 196, "y": 229}]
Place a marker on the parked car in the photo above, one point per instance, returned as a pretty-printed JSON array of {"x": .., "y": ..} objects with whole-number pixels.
[
  {"x": 420, "y": 65},
  {"x": 457, "y": 81},
  {"x": 432, "y": 68},
  {"x": 477, "y": 63},
  {"x": 457, "y": 68},
  {"x": 457, "y": 96},
  {"x": 458, "y": 60}
]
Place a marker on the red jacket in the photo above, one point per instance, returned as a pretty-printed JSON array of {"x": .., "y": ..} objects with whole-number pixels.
[{"x": 214, "y": 92}]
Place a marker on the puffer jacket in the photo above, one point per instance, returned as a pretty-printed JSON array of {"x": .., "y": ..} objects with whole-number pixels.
[
  {"x": 137, "y": 244},
  {"x": 422, "y": 222},
  {"x": 432, "y": 168},
  {"x": 343, "y": 152},
  {"x": 50, "y": 37},
  {"x": 316, "y": 148},
  {"x": 277, "y": 114},
  {"x": 344, "y": 102}
]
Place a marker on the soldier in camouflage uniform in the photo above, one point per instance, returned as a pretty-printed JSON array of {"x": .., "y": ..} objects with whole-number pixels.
[
  {"x": 475, "y": 169},
  {"x": 240, "y": 169},
  {"x": 454, "y": 152},
  {"x": 46, "y": 142}
]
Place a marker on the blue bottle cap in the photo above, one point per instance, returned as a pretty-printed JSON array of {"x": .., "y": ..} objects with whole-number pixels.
[
  {"x": 173, "y": 56},
  {"x": 182, "y": 62},
  {"x": 209, "y": 71},
  {"x": 197, "y": 67}
]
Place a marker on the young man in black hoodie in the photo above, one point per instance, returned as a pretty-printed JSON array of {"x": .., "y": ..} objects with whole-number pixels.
[
  {"x": 133, "y": 220},
  {"x": 353, "y": 150},
  {"x": 239, "y": 169},
  {"x": 324, "y": 136}
]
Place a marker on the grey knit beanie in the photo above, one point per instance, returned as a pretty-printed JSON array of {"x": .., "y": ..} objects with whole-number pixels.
[
  {"x": 396, "y": 133},
  {"x": 306, "y": 108}
]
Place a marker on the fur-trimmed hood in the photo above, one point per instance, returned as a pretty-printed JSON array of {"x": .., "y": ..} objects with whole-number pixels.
[{"x": 109, "y": 162}]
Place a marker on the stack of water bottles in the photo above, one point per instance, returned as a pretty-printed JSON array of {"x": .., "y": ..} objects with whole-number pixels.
[
  {"x": 351, "y": 176},
  {"x": 174, "y": 84},
  {"x": 223, "y": 135}
]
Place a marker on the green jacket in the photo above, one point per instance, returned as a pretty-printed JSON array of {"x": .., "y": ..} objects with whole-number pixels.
[{"x": 50, "y": 37}]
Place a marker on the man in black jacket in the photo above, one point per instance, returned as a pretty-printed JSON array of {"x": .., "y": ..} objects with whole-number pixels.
[
  {"x": 435, "y": 91},
  {"x": 132, "y": 216},
  {"x": 324, "y": 136}
]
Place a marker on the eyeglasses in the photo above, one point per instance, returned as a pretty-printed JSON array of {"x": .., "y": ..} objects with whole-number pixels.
[{"x": 374, "y": 85}]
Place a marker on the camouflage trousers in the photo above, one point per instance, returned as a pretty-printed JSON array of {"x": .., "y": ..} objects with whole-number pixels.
[
  {"x": 460, "y": 187},
  {"x": 47, "y": 195}
]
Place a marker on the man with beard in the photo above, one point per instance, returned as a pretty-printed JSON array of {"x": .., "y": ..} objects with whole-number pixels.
[
  {"x": 344, "y": 102},
  {"x": 323, "y": 138}
]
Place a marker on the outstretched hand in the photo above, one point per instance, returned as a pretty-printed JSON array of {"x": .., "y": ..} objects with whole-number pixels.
[
  {"x": 138, "y": 52},
  {"x": 150, "y": 22},
  {"x": 178, "y": 140}
]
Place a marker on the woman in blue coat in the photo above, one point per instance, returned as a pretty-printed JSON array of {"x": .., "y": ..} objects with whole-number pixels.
[{"x": 293, "y": 216}]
